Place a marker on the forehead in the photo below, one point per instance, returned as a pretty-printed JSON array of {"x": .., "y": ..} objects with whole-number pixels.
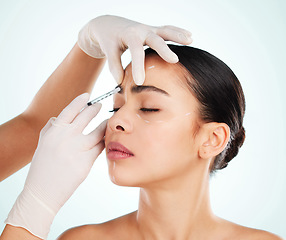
[
  {"x": 158, "y": 73},
  {"x": 168, "y": 77}
]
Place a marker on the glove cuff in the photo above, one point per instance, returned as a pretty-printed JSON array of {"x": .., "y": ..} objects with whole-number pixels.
[
  {"x": 30, "y": 213},
  {"x": 88, "y": 44}
]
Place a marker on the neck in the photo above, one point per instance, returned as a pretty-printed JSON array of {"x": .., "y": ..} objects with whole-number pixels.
[{"x": 180, "y": 210}]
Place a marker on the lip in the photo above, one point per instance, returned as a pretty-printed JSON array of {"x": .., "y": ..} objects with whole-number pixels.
[{"x": 116, "y": 151}]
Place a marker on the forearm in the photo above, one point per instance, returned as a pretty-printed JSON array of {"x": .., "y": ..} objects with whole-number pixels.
[
  {"x": 19, "y": 136},
  {"x": 15, "y": 233},
  {"x": 74, "y": 76},
  {"x": 17, "y": 143}
]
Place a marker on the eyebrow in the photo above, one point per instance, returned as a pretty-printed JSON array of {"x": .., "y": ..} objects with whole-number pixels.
[{"x": 143, "y": 88}]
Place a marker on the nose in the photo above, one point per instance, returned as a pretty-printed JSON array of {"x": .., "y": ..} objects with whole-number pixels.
[{"x": 121, "y": 121}]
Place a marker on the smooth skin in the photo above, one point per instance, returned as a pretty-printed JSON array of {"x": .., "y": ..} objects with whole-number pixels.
[
  {"x": 171, "y": 165},
  {"x": 19, "y": 136}
]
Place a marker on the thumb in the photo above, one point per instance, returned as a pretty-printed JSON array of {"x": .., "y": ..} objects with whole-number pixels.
[{"x": 47, "y": 126}]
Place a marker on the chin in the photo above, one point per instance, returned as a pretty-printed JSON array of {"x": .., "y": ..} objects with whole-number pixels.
[
  {"x": 123, "y": 182},
  {"x": 123, "y": 178},
  {"x": 126, "y": 179}
]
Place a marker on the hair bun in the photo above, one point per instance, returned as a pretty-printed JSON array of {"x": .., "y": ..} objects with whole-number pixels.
[
  {"x": 240, "y": 137},
  {"x": 233, "y": 148}
]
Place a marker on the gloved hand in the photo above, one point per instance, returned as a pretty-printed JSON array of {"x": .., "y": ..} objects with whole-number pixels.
[
  {"x": 61, "y": 162},
  {"x": 110, "y": 36}
]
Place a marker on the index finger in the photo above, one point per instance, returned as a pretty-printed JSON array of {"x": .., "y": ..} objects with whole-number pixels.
[
  {"x": 175, "y": 34},
  {"x": 73, "y": 109}
]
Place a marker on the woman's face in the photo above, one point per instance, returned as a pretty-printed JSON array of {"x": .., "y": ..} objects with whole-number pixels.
[{"x": 150, "y": 138}]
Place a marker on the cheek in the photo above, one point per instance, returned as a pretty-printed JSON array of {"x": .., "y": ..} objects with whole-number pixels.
[{"x": 166, "y": 142}]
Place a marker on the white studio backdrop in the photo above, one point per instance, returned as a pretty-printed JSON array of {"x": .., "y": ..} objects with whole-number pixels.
[{"x": 249, "y": 35}]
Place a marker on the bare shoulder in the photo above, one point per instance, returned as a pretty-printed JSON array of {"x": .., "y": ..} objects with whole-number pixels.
[
  {"x": 254, "y": 234},
  {"x": 267, "y": 236},
  {"x": 119, "y": 226},
  {"x": 238, "y": 232},
  {"x": 81, "y": 232}
]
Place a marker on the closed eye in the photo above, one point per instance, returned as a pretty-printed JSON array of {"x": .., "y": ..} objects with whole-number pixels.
[
  {"x": 141, "y": 109},
  {"x": 149, "y": 109}
]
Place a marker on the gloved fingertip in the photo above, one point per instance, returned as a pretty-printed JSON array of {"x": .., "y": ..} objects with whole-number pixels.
[
  {"x": 174, "y": 58},
  {"x": 118, "y": 80},
  {"x": 97, "y": 105},
  {"x": 185, "y": 38},
  {"x": 118, "y": 76},
  {"x": 83, "y": 96},
  {"x": 190, "y": 40},
  {"x": 139, "y": 78},
  {"x": 188, "y": 34},
  {"x": 103, "y": 124},
  {"x": 81, "y": 99},
  {"x": 170, "y": 57}
]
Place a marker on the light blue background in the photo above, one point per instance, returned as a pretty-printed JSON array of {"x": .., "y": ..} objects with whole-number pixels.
[{"x": 248, "y": 35}]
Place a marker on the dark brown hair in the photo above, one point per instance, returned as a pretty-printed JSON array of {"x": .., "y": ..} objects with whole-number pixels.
[{"x": 219, "y": 92}]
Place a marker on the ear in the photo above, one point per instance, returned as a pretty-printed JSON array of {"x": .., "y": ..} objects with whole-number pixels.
[{"x": 214, "y": 140}]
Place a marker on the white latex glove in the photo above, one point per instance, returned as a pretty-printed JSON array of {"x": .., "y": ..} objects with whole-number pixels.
[
  {"x": 110, "y": 36},
  {"x": 61, "y": 162}
]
